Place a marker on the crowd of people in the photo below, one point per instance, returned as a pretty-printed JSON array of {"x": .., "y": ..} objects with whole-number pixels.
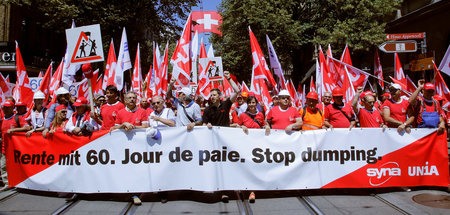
[{"x": 73, "y": 116}]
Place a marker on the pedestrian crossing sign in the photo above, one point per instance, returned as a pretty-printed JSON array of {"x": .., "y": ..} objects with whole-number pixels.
[{"x": 84, "y": 44}]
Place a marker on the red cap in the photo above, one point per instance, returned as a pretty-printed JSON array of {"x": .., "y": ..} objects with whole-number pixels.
[
  {"x": 367, "y": 93},
  {"x": 429, "y": 86},
  {"x": 8, "y": 103},
  {"x": 438, "y": 97},
  {"x": 80, "y": 101},
  {"x": 386, "y": 94},
  {"x": 338, "y": 91},
  {"x": 312, "y": 95},
  {"x": 244, "y": 94},
  {"x": 20, "y": 104},
  {"x": 60, "y": 107}
]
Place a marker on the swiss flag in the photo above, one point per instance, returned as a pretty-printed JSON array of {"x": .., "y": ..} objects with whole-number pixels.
[
  {"x": 23, "y": 91},
  {"x": 207, "y": 21},
  {"x": 181, "y": 58}
]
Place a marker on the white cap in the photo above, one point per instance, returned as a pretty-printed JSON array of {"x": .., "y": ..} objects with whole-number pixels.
[
  {"x": 284, "y": 93},
  {"x": 186, "y": 91},
  {"x": 396, "y": 86},
  {"x": 39, "y": 95},
  {"x": 61, "y": 91}
]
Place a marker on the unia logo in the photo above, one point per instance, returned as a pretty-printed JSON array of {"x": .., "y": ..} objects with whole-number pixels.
[
  {"x": 382, "y": 174},
  {"x": 422, "y": 170}
]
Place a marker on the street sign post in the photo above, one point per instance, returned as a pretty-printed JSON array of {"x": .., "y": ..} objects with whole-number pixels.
[
  {"x": 405, "y": 36},
  {"x": 399, "y": 46}
]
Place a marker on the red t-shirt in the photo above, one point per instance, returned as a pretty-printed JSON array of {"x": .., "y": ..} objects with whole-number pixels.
[
  {"x": 280, "y": 119},
  {"x": 248, "y": 122},
  {"x": 7, "y": 124},
  {"x": 109, "y": 114},
  {"x": 136, "y": 117},
  {"x": 148, "y": 111},
  {"x": 336, "y": 118},
  {"x": 398, "y": 110},
  {"x": 369, "y": 119}
]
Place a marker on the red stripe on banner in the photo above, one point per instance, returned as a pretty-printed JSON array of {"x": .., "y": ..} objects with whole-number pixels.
[
  {"x": 421, "y": 163},
  {"x": 41, "y": 153}
]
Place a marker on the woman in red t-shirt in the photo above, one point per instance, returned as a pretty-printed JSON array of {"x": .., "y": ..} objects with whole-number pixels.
[
  {"x": 251, "y": 118},
  {"x": 59, "y": 122}
]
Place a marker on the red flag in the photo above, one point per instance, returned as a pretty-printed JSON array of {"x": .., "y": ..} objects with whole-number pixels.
[
  {"x": 403, "y": 85},
  {"x": 293, "y": 93},
  {"x": 260, "y": 68},
  {"x": 22, "y": 91},
  {"x": 207, "y": 21},
  {"x": 83, "y": 87},
  {"x": 45, "y": 83},
  {"x": 181, "y": 59},
  {"x": 441, "y": 87},
  {"x": 148, "y": 91},
  {"x": 162, "y": 74},
  {"x": 329, "y": 53},
  {"x": 328, "y": 78},
  {"x": 349, "y": 91},
  {"x": 56, "y": 79},
  {"x": 357, "y": 76},
  {"x": 3, "y": 84},
  {"x": 378, "y": 71},
  {"x": 41, "y": 74},
  {"x": 312, "y": 86},
  {"x": 97, "y": 89},
  {"x": 265, "y": 95},
  {"x": 136, "y": 83},
  {"x": 345, "y": 57},
  {"x": 227, "y": 89},
  {"x": 108, "y": 78},
  {"x": 410, "y": 86},
  {"x": 245, "y": 88},
  {"x": 398, "y": 70}
]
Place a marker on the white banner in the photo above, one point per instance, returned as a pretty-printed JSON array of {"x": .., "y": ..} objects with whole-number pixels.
[{"x": 219, "y": 159}]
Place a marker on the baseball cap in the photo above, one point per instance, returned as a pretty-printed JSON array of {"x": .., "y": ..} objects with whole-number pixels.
[
  {"x": 61, "y": 91},
  {"x": 284, "y": 93},
  {"x": 338, "y": 92},
  {"x": 186, "y": 91},
  {"x": 429, "y": 86},
  {"x": 367, "y": 93},
  {"x": 312, "y": 95},
  {"x": 20, "y": 104},
  {"x": 60, "y": 107},
  {"x": 80, "y": 101},
  {"x": 39, "y": 95},
  {"x": 8, "y": 103},
  {"x": 396, "y": 86},
  {"x": 244, "y": 94}
]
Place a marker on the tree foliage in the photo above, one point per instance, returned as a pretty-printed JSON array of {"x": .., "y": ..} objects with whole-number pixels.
[
  {"x": 296, "y": 27},
  {"x": 145, "y": 21}
]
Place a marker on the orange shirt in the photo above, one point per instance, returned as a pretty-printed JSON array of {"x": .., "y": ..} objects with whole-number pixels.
[{"x": 311, "y": 120}]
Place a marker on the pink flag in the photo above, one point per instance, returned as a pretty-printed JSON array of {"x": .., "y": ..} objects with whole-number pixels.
[
  {"x": 23, "y": 90},
  {"x": 260, "y": 68},
  {"x": 136, "y": 82},
  {"x": 398, "y": 70},
  {"x": 45, "y": 83},
  {"x": 378, "y": 71},
  {"x": 181, "y": 59},
  {"x": 108, "y": 78}
]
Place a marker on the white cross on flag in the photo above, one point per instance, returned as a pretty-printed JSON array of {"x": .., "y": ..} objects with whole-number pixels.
[{"x": 207, "y": 21}]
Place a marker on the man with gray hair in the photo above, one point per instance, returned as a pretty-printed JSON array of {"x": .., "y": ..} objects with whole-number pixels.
[
  {"x": 188, "y": 112},
  {"x": 161, "y": 116}
]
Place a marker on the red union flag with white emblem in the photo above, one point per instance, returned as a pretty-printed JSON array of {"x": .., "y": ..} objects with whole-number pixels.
[
  {"x": 181, "y": 58},
  {"x": 136, "y": 83},
  {"x": 207, "y": 21},
  {"x": 260, "y": 68},
  {"x": 45, "y": 83},
  {"x": 23, "y": 91},
  {"x": 357, "y": 76},
  {"x": 398, "y": 73},
  {"x": 108, "y": 78}
]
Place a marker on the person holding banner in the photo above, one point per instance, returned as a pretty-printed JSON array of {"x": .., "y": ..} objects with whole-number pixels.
[
  {"x": 283, "y": 116},
  {"x": 188, "y": 112},
  {"x": 59, "y": 121},
  {"x": 311, "y": 116},
  {"x": 369, "y": 116},
  {"x": 251, "y": 118},
  {"x": 108, "y": 111},
  {"x": 38, "y": 114},
  {"x": 429, "y": 112},
  {"x": 161, "y": 116},
  {"x": 131, "y": 117},
  {"x": 396, "y": 109},
  {"x": 80, "y": 123},
  {"x": 62, "y": 98},
  {"x": 337, "y": 114},
  {"x": 217, "y": 113}
]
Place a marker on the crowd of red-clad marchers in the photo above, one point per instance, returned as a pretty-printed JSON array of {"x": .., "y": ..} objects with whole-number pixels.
[{"x": 73, "y": 116}]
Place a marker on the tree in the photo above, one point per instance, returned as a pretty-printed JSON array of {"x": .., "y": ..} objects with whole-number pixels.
[{"x": 296, "y": 27}]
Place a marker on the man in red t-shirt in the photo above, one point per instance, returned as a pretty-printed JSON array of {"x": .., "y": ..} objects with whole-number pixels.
[
  {"x": 337, "y": 114},
  {"x": 428, "y": 112},
  {"x": 108, "y": 111},
  {"x": 326, "y": 100},
  {"x": 283, "y": 116},
  {"x": 9, "y": 124},
  {"x": 369, "y": 116},
  {"x": 131, "y": 116},
  {"x": 396, "y": 109}
]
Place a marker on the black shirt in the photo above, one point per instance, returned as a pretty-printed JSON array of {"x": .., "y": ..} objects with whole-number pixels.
[{"x": 218, "y": 116}]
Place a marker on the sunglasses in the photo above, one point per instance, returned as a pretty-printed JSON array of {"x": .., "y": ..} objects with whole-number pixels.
[
  {"x": 284, "y": 97},
  {"x": 156, "y": 103},
  {"x": 63, "y": 111}
]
